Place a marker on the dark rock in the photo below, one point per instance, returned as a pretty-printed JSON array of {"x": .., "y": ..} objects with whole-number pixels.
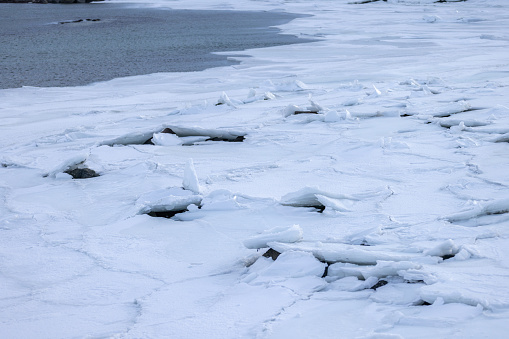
[
  {"x": 166, "y": 214},
  {"x": 273, "y": 254},
  {"x": 82, "y": 173},
  {"x": 48, "y": 1},
  {"x": 380, "y": 283}
]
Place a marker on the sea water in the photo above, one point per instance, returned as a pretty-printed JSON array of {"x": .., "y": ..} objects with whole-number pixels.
[{"x": 71, "y": 45}]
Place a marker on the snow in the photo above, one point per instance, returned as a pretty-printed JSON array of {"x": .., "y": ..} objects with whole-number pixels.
[
  {"x": 190, "y": 181},
  {"x": 388, "y": 205}
]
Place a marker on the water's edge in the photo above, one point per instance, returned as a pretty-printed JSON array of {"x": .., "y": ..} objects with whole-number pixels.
[{"x": 59, "y": 45}]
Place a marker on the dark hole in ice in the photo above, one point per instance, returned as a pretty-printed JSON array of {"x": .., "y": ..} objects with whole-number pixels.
[
  {"x": 166, "y": 214},
  {"x": 273, "y": 254},
  {"x": 415, "y": 281},
  {"x": 380, "y": 283},
  {"x": 232, "y": 138},
  {"x": 320, "y": 209},
  {"x": 326, "y": 271},
  {"x": 447, "y": 256},
  {"x": 239, "y": 138},
  {"x": 422, "y": 303},
  {"x": 82, "y": 173}
]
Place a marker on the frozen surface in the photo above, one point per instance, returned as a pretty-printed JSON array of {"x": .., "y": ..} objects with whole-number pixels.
[{"x": 386, "y": 200}]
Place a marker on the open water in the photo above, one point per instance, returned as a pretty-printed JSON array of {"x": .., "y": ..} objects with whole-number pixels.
[{"x": 70, "y": 45}]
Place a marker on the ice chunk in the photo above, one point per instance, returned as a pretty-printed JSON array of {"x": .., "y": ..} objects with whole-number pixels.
[
  {"x": 335, "y": 116},
  {"x": 166, "y": 139},
  {"x": 307, "y": 196},
  {"x": 399, "y": 294},
  {"x": 315, "y": 107},
  {"x": 442, "y": 110},
  {"x": 482, "y": 214},
  {"x": 190, "y": 181},
  {"x": 331, "y": 203},
  {"x": 342, "y": 270},
  {"x": 72, "y": 162},
  {"x": 446, "y": 248},
  {"x": 352, "y": 284},
  {"x": 361, "y": 255},
  {"x": 294, "y": 264},
  {"x": 377, "y": 91},
  {"x": 225, "y": 100},
  {"x": 291, "y": 109},
  {"x": 381, "y": 270},
  {"x": 220, "y": 200},
  {"x": 252, "y": 96},
  {"x": 285, "y": 234},
  {"x": 413, "y": 275},
  {"x": 390, "y": 268},
  {"x": 170, "y": 199}
]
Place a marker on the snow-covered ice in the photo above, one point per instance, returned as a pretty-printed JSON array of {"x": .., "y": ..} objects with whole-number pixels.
[{"x": 384, "y": 202}]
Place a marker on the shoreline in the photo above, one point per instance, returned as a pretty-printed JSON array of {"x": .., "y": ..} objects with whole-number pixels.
[
  {"x": 96, "y": 44},
  {"x": 47, "y": 1}
]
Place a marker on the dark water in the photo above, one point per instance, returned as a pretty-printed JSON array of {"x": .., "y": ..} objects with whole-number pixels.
[{"x": 37, "y": 50}]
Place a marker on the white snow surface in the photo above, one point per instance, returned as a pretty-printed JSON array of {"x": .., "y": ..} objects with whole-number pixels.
[{"x": 408, "y": 152}]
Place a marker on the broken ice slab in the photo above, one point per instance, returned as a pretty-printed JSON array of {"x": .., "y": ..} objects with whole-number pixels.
[
  {"x": 82, "y": 173},
  {"x": 482, "y": 214},
  {"x": 173, "y": 199},
  {"x": 316, "y": 198},
  {"x": 441, "y": 111},
  {"x": 286, "y": 234},
  {"x": 175, "y": 135},
  {"x": 354, "y": 254},
  {"x": 381, "y": 270},
  {"x": 448, "y": 123},
  {"x": 230, "y": 135}
]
